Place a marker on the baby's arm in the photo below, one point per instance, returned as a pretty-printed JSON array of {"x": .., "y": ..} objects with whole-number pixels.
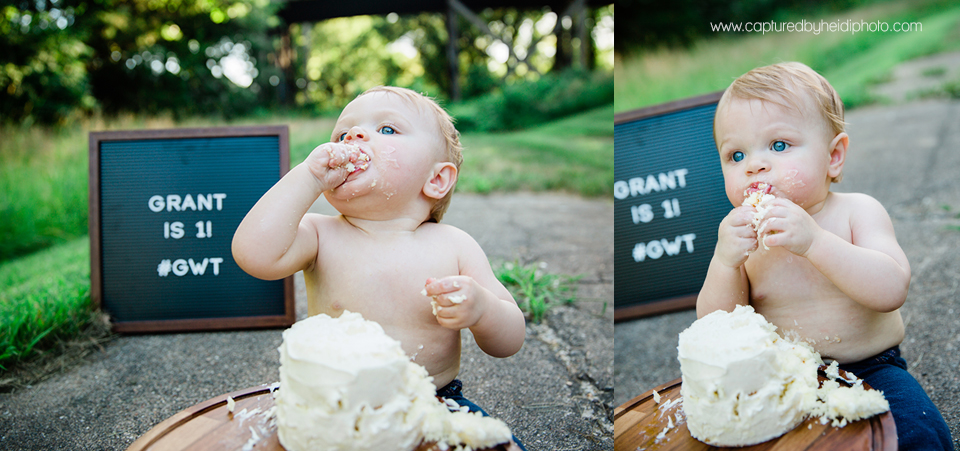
[
  {"x": 872, "y": 270},
  {"x": 726, "y": 284},
  {"x": 475, "y": 299},
  {"x": 274, "y": 240}
]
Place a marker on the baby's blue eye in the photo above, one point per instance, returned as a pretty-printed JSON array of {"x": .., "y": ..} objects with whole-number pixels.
[
  {"x": 738, "y": 156},
  {"x": 342, "y": 136},
  {"x": 387, "y": 130},
  {"x": 780, "y": 146}
]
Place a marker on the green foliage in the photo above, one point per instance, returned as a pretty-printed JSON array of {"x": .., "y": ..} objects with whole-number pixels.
[
  {"x": 44, "y": 298},
  {"x": 851, "y": 62},
  {"x": 952, "y": 89},
  {"x": 574, "y": 154},
  {"x": 535, "y": 290},
  {"x": 149, "y": 56},
  {"x": 875, "y": 54},
  {"x": 680, "y": 23},
  {"x": 175, "y": 56},
  {"x": 42, "y": 74},
  {"x": 529, "y": 103},
  {"x": 345, "y": 57},
  {"x": 43, "y": 178}
]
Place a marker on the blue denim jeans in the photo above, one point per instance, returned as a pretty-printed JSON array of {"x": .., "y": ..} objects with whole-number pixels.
[
  {"x": 919, "y": 424},
  {"x": 454, "y": 392}
]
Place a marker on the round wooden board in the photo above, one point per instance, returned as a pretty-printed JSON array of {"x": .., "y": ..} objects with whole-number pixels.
[
  {"x": 638, "y": 423},
  {"x": 209, "y": 426}
]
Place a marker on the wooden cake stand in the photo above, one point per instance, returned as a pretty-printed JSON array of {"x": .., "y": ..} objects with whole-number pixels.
[
  {"x": 210, "y": 426},
  {"x": 638, "y": 425}
]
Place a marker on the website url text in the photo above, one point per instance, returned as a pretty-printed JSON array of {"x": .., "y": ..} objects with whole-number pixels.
[{"x": 848, "y": 26}]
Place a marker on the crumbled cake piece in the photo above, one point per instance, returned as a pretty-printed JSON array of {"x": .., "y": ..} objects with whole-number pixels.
[{"x": 760, "y": 199}]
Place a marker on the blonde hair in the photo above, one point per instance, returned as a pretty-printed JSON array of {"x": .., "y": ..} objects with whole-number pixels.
[
  {"x": 785, "y": 84},
  {"x": 453, "y": 150}
]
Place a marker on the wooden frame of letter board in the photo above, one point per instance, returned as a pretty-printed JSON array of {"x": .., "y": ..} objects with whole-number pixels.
[
  {"x": 680, "y": 302},
  {"x": 181, "y": 325}
]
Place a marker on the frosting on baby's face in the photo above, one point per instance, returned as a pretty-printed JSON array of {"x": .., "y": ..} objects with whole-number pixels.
[
  {"x": 399, "y": 144},
  {"x": 785, "y": 148}
]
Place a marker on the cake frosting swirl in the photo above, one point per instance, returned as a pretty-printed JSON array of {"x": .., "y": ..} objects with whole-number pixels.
[
  {"x": 744, "y": 384},
  {"x": 347, "y": 385}
]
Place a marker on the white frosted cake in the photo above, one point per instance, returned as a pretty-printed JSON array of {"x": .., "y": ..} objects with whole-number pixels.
[
  {"x": 743, "y": 384},
  {"x": 346, "y": 385}
]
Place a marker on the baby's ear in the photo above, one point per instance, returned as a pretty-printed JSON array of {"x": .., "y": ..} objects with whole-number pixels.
[
  {"x": 441, "y": 181},
  {"x": 838, "y": 154}
]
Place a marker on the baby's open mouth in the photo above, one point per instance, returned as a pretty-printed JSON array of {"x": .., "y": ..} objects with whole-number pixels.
[
  {"x": 363, "y": 161},
  {"x": 757, "y": 187}
]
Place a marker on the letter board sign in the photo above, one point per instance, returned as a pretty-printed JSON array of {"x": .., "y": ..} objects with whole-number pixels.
[
  {"x": 164, "y": 205},
  {"x": 669, "y": 200}
]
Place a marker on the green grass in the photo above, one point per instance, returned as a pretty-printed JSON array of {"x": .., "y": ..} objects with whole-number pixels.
[
  {"x": 574, "y": 154},
  {"x": 43, "y": 178},
  {"x": 44, "y": 298},
  {"x": 535, "y": 290},
  {"x": 851, "y": 62}
]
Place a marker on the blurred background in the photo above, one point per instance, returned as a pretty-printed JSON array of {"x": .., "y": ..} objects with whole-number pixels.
[
  {"x": 530, "y": 84},
  {"x": 671, "y": 50}
]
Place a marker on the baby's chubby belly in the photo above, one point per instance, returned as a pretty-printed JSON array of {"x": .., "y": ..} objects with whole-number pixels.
[
  {"x": 837, "y": 327},
  {"x": 793, "y": 295}
]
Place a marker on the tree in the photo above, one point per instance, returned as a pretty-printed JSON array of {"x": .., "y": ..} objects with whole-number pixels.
[
  {"x": 42, "y": 74},
  {"x": 177, "y": 56}
]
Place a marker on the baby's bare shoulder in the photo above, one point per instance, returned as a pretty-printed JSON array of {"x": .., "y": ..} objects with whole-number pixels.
[
  {"x": 452, "y": 238},
  {"x": 870, "y": 224},
  {"x": 859, "y": 207},
  {"x": 855, "y": 200},
  {"x": 435, "y": 230}
]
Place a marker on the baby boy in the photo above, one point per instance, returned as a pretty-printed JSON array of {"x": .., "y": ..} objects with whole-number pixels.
[
  {"x": 825, "y": 266},
  {"x": 389, "y": 170}
]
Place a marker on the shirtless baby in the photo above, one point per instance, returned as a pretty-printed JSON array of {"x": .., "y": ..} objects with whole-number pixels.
[
  {"x": 389, "y": 170},
  {"x": 823, "y": 265}
]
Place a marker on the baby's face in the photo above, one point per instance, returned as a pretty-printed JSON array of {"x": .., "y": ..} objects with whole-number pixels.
[
  {"x": 762, "y": 142},
  {"x": 402, "y": 142}
]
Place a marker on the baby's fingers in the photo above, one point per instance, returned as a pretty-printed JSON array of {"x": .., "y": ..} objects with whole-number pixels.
[
  {"x": 337, "y": 156},
  {"x": 436, "y": 287}
]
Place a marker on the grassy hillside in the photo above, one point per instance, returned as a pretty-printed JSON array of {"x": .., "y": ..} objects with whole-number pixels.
[{"x": 850, "y": 61}]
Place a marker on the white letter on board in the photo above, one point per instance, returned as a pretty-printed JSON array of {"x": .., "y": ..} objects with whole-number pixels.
[
  {"x": 173, "y": 202},
  {"x": 156, "y": 204},
  {"x": 188, "y": 203},
  {"x": 216, "y": 265},
  {"x": 219, "y": 197}
]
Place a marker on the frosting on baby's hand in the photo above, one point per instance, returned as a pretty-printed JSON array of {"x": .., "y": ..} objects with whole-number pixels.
[
  {"x": 362, "y": 160},
  {"x": 759, "y": 198}
]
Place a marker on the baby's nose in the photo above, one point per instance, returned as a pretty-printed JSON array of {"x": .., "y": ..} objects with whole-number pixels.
[
  {"x": 356, "y": 133},
  {"x": 757, "y": 165}
]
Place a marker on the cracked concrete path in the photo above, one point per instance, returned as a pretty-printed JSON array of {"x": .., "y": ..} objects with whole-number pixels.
[{"x": 555, "y": 394}]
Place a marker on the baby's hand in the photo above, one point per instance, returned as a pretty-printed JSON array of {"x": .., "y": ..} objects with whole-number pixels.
[
  {"x": 331, "y": 163},
  {"x": 736, "y": 237},
  {"x": 789, "y": 226},
  {"x": 457, "y": 303}
]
